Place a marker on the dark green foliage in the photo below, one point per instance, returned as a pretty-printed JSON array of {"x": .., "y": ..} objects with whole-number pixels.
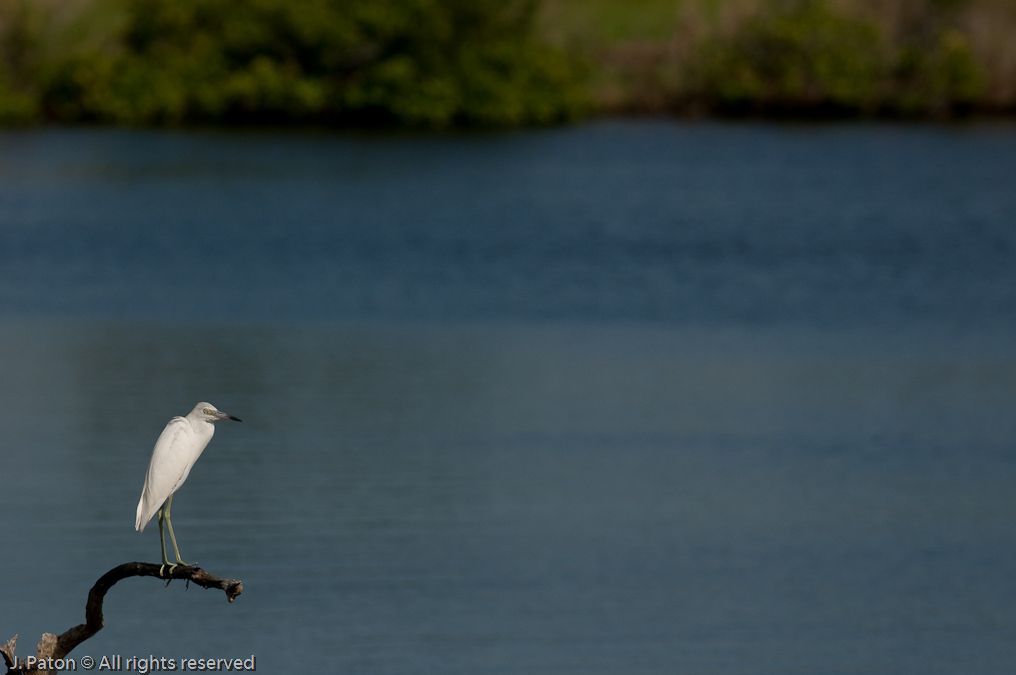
[
  {"x": 444, "y": 63},
  {"x": 813, "y": 60},
  {"x": 19, "y": 96},
  {"x": 17, "y": 107},
  {"x": 808, "y": 58},
  {"x": 429, "y": 63},
  {"x": 936, "y": 79}
]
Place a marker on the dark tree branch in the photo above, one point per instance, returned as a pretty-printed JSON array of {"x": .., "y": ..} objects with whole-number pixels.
[{"x": 57, "y": 647}]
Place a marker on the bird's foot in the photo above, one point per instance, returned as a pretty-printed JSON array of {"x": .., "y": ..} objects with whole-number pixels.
[{"x": 173, "y": 566}]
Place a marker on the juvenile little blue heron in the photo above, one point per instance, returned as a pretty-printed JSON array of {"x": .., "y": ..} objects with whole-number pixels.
[{"x": 179, "y": 446}]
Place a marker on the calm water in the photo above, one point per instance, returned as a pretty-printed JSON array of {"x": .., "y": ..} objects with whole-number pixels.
[{"x": 629, "y": 397}]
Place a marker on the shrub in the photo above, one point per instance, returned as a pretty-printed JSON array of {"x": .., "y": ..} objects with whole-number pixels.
[
  {"x": 19, "y": 38},
  {"x": 809, "y": 59},
  {"x": 430, "y": 63},
  {"x": 813, "y": 60},
  {"x": 936, "y": 80}
]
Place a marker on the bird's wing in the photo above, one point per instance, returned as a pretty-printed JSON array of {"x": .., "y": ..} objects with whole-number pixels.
[{"x": 167, "y": 470}]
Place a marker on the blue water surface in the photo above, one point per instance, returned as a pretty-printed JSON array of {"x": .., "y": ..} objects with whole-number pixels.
[
  {"x": 624, "y": 397},
  {"x": 649, "y": 221}
]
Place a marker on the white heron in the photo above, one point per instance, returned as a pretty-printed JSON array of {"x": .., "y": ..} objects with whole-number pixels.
[{"x": 179, "y": 446}]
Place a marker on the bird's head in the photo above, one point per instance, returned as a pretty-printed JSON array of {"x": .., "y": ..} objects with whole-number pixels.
[{"x": 209, "y": 413}]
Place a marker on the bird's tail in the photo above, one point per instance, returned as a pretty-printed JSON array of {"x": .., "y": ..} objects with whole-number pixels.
[{"x": 144, "y": 515}]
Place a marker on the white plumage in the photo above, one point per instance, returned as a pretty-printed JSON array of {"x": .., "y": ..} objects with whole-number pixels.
[{"x": 179, "y": 446}]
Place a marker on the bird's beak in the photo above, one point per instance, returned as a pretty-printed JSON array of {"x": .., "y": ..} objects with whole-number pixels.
[{"x": 223, "y": 416}]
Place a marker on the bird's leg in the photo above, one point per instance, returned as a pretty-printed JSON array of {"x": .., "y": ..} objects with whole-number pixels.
[
  {"x": 162, "y": 542},
  {"x": 172, "y": 537}
]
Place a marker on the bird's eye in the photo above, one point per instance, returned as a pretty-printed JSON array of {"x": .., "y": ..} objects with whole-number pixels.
[{"x": 207, "y": 411}]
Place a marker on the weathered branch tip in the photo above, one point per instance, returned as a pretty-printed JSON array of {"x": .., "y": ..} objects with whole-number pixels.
[{"x": 8, "y": 652}]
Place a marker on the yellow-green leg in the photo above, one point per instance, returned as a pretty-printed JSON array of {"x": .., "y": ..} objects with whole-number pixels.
[
  {"x": 172, "y": 538},
  {"x": 162, "y": 543}
]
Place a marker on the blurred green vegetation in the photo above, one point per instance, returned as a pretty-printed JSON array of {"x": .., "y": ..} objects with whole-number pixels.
[
  {"x": 444, "y": 63},
  {"x": 427, "y": 63},
  {"x": 817, "y": 61},
  {"x": 808, "y": 58}
]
